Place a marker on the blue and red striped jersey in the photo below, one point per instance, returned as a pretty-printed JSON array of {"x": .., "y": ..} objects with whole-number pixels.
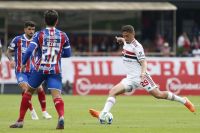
[
  {"x": 19, "y": 45},
  {"x": 49, "y": 44}
]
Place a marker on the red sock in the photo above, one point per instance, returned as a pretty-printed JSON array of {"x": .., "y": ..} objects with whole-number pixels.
[
  {"x": 59, "y": 104},
  {"x": 30, "y": 103},
  {"x": 42, "y": 99},
  {"x": 24, "y": 106}
]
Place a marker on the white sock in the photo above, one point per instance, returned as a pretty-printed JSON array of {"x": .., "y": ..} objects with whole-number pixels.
[
  {"x": 174, "y": 97},
  {"x": 108, "y": 105}
]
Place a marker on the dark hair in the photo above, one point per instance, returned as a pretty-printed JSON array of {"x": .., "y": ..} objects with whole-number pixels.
[
  {"x": 51, "y": 17},
  {"x": 128, "y": 28},
  {"x": 29, "y": 23}
]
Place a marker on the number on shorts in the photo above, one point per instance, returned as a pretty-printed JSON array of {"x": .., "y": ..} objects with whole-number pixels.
[{"x": 144, "y": 83}]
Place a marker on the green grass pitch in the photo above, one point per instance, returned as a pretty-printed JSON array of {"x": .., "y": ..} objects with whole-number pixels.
[{"x": 132, "y": 114}]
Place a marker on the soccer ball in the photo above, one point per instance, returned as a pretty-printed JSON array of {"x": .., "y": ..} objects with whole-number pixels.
[{"x": 106, "y": 118}]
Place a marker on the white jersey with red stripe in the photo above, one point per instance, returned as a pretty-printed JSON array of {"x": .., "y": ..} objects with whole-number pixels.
[{"x": 132, "y": 54}]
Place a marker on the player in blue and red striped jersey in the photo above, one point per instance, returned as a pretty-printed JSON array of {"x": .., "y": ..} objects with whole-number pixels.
[
  {"x": 51, "y": 44},
  {"x": 19, "y": 46}
]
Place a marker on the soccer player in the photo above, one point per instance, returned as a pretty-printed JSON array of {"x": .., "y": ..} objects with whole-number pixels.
[
  {"x": 19, "y": 46},
  {"x": 137, "y": 76},
  {"x": 51, "y": 44}
]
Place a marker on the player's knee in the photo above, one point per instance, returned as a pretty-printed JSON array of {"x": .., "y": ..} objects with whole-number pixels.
[
  {"x": 158, "y": 95},
  {"x": 23, "y": 86}
]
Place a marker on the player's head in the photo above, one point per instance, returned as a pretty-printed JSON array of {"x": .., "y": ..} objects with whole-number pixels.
[
  {"x": 29, "y": 29},
  {"x": 128, "y": 33},
  {"x": 51, "y": 18}
]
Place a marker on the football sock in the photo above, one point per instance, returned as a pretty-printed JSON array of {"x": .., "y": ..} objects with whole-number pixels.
[
  {"x": 109, "y": 103},
  {"x": 59, "y": 105},
  {"x": 24, "y": 106},
  {"x": 30, "y": 103},
  {"x": 42, "y": 99},
  {"x": 174, "y": 97}
]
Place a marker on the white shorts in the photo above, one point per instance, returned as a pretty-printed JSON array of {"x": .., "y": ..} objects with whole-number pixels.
[{"x": 134, "y": 83}]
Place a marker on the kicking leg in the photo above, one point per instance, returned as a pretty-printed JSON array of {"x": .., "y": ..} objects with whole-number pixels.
[
  {"x": 170, "y": 96},
  {"x": 116, "y": 90}
]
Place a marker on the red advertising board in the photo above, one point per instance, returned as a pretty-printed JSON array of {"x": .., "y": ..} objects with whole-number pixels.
[{"x": 177, "y": 75}]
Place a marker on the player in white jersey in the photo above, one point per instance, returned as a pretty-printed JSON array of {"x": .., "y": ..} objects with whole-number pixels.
[{"x": 135, "y": 63}]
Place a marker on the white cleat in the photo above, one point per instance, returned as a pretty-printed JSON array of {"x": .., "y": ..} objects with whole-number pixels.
[
  {"x": 34, "y": 115},
  {"x": 46, "y": 115}
]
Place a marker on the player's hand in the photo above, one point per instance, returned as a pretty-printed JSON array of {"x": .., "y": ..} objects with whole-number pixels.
[
  {"x": 12, "y": 64},
  {"x": 23, "y": 67},
  {"x": 120, "y": 40}
]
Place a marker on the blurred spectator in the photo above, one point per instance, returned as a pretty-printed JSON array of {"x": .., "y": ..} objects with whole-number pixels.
[
  {"x": 196, "y": 51},
  {"x": 165, "y": 49},
  {"x": 159, "y": 41},
  {"x": 67, "y": 88},
  {"x": 183, "y": 44}
]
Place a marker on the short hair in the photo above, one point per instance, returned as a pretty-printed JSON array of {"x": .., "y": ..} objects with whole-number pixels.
[
  {"x": 29, "y": 23},
  {"x": 128, "y": 28},
  {"x": 51, "y": 17}
]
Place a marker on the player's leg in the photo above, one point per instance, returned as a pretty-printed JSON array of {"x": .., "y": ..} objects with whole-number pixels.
[
  {"x": 33, "y": 82},
  {"x": 150, "y": 86},
  {"x": 26, "y": 98},
  {"x": 54, "y": 83},
  {"x": 42, "y": 100},
  {"x": 22, "y": 79},
  {"x": 124, "y": 86}
]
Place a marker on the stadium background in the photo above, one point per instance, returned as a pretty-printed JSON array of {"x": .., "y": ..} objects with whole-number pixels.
[{"x": 96, "y": 57}]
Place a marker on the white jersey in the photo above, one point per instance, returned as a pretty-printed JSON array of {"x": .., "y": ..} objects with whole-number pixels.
[{"x": 132, "y": 54}]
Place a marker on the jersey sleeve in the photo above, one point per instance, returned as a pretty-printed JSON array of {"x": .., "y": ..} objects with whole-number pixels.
[
  {"x": 66, "y": 48},
  {"x": 35, "y": 40},
  {"x": 13, "y": 43},
  {"x": 67, "y": 43},
  {"x": 140, "y": 52}
]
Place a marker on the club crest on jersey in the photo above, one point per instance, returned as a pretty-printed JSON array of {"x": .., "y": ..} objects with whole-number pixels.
[{"x": 20, "y": 78}]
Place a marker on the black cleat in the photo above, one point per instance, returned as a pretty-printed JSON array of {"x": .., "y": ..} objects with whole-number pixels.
[
  {"x": 60, "y": 124},
  {"x": 17, "y": 125}
]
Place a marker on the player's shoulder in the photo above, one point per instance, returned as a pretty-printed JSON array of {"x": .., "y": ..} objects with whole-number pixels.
[
  {"x": 17, "y": 38},
  {"x": 61, "y": 32},
  {"x": 136, "y": 44}
]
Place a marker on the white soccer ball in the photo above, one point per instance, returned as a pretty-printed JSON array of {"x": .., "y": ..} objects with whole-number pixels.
[{"x": 106, "y": 118}]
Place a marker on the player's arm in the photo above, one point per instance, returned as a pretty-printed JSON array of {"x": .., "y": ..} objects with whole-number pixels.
[
  {"x": 67, "y": 48},
  {"x": 120, "y": 40},
  {"x": 10, "y": 51},
  {"x": 142, "y": 60},
  {"x": 143, "y": 64},
  {"x": 33, "y": 45},
  {"x": 29, "y": 52}
]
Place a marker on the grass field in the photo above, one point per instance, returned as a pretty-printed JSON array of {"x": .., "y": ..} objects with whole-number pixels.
[{"x": 132, "y": 114}]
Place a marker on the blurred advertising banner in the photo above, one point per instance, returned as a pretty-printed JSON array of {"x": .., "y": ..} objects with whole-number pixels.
[{"x": 97, "y": 75}]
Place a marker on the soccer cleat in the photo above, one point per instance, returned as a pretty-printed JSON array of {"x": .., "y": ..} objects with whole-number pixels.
[
  {"x": 17, "y": 125},
  {"x": 34, "y": 115},
  {"x": 94, "y": 113},
  {"x": 189, "y": 105},
  {"x": 61, "y": 123},
  {"x": 46, "y": 115}
]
